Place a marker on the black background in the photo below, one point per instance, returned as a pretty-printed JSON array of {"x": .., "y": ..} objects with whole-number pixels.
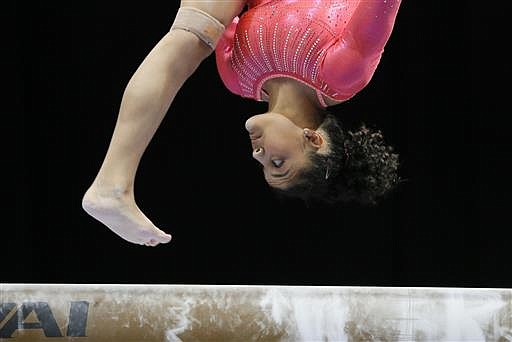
[{"x": 437, "y": 96}]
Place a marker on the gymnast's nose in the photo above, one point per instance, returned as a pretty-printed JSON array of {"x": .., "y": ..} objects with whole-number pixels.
[{"x": 258, "y": 153}]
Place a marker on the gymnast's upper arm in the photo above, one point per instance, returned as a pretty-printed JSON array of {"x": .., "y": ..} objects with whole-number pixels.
[{"x": 344, "y": 68}]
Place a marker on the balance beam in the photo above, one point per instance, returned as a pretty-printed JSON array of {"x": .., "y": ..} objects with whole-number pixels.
[{"x": 169, "y": 313}]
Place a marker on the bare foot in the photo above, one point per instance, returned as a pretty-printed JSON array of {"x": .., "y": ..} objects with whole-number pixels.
[{"x": 118, "y": 211}]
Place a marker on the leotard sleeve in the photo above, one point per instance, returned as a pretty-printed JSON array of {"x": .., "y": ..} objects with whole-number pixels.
[{"x": 351, "y": 61}]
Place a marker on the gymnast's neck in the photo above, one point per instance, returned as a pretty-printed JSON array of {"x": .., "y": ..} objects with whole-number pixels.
[{"x": 295, "y": 100}]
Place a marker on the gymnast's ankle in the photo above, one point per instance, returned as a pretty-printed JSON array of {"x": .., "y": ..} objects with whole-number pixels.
[{"x": 100, "y": 188}]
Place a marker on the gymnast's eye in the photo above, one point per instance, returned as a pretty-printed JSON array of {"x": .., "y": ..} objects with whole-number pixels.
[{"x": 277, "y": 162}]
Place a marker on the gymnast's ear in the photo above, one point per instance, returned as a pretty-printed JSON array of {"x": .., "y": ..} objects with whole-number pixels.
[{"x": 313, "y": 138}]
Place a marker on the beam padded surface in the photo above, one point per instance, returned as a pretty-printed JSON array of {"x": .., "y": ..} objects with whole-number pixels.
[{"x": 74, "y": 312}]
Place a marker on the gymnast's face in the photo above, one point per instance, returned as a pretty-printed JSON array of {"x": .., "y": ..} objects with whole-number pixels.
[{"x": 280, "y": 146}]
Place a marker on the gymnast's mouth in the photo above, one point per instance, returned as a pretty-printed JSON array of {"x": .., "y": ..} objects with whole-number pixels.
[
  {"x": 255, "y": 132},
  {"x": 255, "y": 141},
  {"x": 253, "y": 128},
  {"x": 254, "y": 136}
]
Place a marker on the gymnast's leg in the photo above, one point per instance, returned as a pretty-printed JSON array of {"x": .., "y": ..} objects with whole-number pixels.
[{"x": 146, "y": 99}]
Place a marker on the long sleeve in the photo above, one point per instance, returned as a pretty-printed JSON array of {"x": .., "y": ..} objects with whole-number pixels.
[{"x": 351, "y": 61}]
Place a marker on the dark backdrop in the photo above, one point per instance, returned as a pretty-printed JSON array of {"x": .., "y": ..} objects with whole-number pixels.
[{"x": 435, "y": 95}]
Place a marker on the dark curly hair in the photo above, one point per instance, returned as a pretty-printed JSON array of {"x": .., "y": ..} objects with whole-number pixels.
[{"x": 359, "y": 168}]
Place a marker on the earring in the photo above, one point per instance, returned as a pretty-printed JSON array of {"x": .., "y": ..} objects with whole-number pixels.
[{"x": 327, "y": 174}]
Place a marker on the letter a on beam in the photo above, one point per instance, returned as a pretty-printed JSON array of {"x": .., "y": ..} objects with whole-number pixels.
[{"x": 44, "y": 315}]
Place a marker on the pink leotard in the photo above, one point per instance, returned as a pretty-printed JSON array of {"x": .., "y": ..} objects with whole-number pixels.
[{"x": 334, "y": 46}]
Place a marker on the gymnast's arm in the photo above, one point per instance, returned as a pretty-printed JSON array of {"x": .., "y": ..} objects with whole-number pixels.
[
  {"x": 371, "y": 25},
  {"x": 351, "y": 61}
]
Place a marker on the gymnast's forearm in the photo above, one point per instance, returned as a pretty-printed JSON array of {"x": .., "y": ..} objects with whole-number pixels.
[{"x": 146, "y": 100}]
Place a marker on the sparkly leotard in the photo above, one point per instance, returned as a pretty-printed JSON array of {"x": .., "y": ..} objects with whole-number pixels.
[{"x": 334, "y": 46}]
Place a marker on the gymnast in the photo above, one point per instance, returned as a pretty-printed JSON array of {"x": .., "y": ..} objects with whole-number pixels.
[{"x": 300, "y": 56}]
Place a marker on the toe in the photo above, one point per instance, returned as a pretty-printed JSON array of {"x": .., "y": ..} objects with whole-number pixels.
[
  {"x": 162, "y": 236},
  {"x": 165, "y": 238}
]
